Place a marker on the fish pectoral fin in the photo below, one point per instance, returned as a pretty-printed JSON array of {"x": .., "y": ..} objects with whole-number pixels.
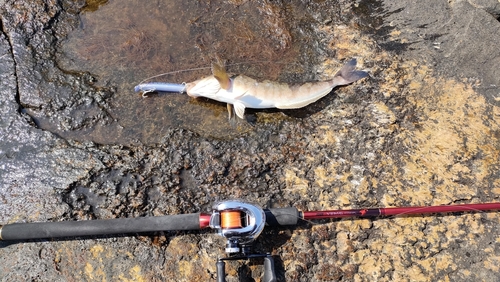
[
  {"x": 221, "y": 75},
  {"x": 239, "y": 108},
  {"x": 230, "y": 111},
  {"x": 232, "y": 117}
]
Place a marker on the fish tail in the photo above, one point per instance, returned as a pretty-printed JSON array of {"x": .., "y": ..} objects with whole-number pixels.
[{"x": 348, "y": 73}]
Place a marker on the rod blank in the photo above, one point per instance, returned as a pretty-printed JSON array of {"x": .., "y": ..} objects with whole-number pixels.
[{"x": 373, "y": 212}]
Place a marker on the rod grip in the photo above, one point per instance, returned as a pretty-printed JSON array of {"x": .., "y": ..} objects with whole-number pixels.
[
  {"x": 282, "y": 216},
  {"x": 42, "y": 230}
]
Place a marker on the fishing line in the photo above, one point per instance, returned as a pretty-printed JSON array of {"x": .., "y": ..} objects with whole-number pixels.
[
  {"x": 173, "y": 72},
  {"x": 204, "y": 68}
]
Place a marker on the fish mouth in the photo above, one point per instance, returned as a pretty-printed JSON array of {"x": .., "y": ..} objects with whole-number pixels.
[
  {"x": 190, "y": 92},
  {"x": 207, "y": 87}
]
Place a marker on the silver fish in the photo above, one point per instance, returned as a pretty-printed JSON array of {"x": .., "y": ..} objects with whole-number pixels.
[
  {"x": 241, "y": 92},
  {"x": 244, "y": 92}
]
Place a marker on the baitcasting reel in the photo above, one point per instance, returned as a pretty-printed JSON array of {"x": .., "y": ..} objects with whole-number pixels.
[{"x": 240, "y": 223}]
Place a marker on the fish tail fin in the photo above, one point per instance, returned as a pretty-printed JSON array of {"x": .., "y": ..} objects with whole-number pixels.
[{"x": 348, "y": 73}]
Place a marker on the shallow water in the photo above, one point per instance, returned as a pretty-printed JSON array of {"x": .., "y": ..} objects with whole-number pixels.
[{"x": 125, "y": 42}]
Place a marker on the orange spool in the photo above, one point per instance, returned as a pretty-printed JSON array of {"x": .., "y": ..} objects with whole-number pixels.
[{"x": 230, "y": 219}]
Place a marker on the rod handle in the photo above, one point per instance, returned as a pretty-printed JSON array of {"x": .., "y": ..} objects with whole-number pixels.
[
  {"x": 43, "y": 230},
  {"x": 282, "y": 216}
]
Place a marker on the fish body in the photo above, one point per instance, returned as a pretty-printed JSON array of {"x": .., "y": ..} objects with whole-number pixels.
[{"x": 245, "y": 92}]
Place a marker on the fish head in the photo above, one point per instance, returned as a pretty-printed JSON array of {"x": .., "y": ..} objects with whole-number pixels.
[{"x": 205, "y": 87}]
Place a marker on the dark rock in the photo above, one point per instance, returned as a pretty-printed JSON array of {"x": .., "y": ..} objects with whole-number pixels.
[{"x": 422, "y": 130}]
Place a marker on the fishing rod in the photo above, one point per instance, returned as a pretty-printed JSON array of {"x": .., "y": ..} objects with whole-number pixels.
[{"x": 238, "y": 221}]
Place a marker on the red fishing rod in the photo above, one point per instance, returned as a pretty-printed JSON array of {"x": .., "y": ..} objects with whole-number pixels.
[
  {"x": 239, "y": 222},
  {"x": 374, "y": 212}
]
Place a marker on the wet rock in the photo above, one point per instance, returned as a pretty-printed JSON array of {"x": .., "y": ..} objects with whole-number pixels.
[
  {"x": 422, "y": 130},
  {"x": 56, "y": 101},
  {"x": 33, "y": 162}
]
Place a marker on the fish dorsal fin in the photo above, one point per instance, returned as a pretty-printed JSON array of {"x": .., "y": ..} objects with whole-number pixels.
[
  {"x": 221, "y": 75},
  {"x": 239, "y": 108}
]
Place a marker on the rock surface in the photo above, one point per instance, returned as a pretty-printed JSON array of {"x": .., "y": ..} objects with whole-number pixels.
[{"x": 422, "y": 130}]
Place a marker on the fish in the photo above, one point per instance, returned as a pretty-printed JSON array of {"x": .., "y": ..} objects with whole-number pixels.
[{"x": 241, "y": 92}]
